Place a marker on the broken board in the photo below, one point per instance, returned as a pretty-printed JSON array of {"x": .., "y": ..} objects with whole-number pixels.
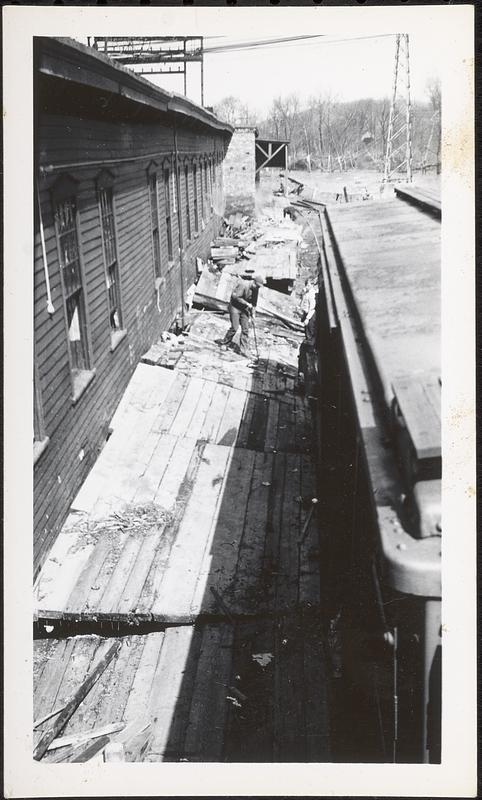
[{"x": 252, "y": 691}]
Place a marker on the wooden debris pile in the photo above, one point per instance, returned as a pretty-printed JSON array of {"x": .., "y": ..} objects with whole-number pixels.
[
  {"x": 166, "y": 352},
  {"x": 268, "y": 246},
  {"x": 237, "y": 225},
  {"x": 136, "y": 519}
]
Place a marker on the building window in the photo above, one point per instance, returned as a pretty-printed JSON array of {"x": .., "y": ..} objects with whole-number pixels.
[
  {"x": 206, "y": 190},
  {"x": 188, "y": 215},
  {"x": 174, "y": 192},
  {"x": 156, "y": 245},
  {"x": 210, "y": 185},
  {"x": 196, "y": 211},
  {"x": 167, "y": 207},
  {"x": 66, "y": 226},
  {"x": 106, "y": 209}
]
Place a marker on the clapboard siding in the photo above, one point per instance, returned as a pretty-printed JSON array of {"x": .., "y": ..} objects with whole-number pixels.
[
  {"x": 98, "y": 139},
  {"x": 77, "y": 431}
]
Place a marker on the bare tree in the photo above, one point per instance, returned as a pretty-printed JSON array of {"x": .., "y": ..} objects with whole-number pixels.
[
  {"x": 434, "y": 93},
  {"x": 342, "y": 135},
  {"x": 231, "y": 109}
]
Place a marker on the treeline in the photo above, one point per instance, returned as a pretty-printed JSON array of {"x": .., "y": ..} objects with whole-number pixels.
[{"x": 333, "y": 134}]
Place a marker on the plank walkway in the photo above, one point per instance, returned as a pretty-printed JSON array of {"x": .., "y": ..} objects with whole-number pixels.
[
  {"x": 201, "y": 486},
  {"x": 422, "y": 197},
  {"x": 253, "y": 691},
  {"x": 201, "y": 356},
  {"x": 196, "y": 519}
]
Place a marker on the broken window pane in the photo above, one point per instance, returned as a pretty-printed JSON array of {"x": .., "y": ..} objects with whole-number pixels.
[
  {"x": 155, "y": 224},
  {"x": 66, "y": 224},
  {"x": 110, "y": 256}
]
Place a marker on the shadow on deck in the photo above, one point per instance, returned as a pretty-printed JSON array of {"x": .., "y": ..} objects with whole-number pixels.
[{"x": 227, "y": 662}]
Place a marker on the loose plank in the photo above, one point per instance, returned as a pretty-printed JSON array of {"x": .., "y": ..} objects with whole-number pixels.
[
  {"x": 270, "y": 568},
  {"x": 137, "y": 706},
  {"x": 228, "y": 430},
  {"x": 287, "y": 577},
  {"x": 187, "y": 407},
  {"x": 171, "y": 697},
  {"x": 316, "y": 689},
  {"x": 74, "y": 701},
  {"x": 148, "y": 483},
  {"x": 175, "y": 595},
  {"x": 249, "y": 725},
  {"x": 219, "y": 564},
  {"x": 47, "y": 689},
  {"x": 289, "y": 725},
  {"x": 249, "y": 585},
  {"x": 206, "y": 727},
  {"x": 309, "y": 576}
]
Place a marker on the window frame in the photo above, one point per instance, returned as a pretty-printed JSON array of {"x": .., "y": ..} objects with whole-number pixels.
[
  {"x": 174, "y": 187},
  {"x": 187, "y": 203},
  {"x": 153, "y": 174},
  {"x": 206, "y": 189},
  {"x": 210, "y": 176},
  {"x": 195, "y": 198},
  {"x": 167, "y": 171},
  {"x": 201, "y": 176},
  {"x": 64, "y": 189},
  {"x": 105, "y": 182}
]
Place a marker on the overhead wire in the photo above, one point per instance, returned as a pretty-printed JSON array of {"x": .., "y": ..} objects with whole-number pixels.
[
  {"x": 294, "y": 41},
  {"x": 249, "y": 44}
]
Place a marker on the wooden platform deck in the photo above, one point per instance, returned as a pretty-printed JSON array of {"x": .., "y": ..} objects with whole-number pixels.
[
  {"x": 252, "y": 691},
  {"x": 199, "y": 355},
  {"x": 202, "y": 491},
  {"x": 422, "y": 197},
  {"x": 197, "y": 523}
]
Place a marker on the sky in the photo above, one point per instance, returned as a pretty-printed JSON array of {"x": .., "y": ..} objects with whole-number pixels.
[
  {"x": 344, "y": 66},
  {"x": 345, "y": 70}
]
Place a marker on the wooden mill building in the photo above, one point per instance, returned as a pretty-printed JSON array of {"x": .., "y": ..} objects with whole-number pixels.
[{"x": 117, "y": 234}]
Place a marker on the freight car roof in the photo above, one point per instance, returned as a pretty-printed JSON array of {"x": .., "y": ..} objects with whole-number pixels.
[
  {"x": 391, "y": 262},
  {"x": 383, "y": 265},
  {"x": 69, "y": 60}
]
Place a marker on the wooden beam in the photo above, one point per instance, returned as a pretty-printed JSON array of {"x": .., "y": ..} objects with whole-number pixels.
[
  {"x": 269, "y": 156},
  {"x": 75, "y": 701},
  {"x": 262, "y": 150},
  {"x": 277, "y": 150},
  {"x": 76, "y": 739}
]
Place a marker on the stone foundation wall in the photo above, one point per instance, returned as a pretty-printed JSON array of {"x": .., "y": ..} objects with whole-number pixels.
[{"x": 239, "y": 169}]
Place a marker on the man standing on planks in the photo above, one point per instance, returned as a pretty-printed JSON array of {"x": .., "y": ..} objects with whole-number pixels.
[{"x": 243, "y": 299}]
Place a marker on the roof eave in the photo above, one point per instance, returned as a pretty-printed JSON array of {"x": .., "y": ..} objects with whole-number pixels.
[{"x": 69, "y": 60}]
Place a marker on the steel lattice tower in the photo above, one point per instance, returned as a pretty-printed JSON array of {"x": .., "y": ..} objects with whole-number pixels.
[{"x": 398, "y": 156}]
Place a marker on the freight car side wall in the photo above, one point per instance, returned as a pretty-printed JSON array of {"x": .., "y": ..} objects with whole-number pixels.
[{"x": 76, "y": 428}]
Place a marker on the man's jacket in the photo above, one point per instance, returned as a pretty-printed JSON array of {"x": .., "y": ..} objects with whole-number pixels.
[{"x": 244, "y": 293}]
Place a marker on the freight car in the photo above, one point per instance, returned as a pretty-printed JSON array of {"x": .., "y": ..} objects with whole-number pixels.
[{"x": 379, "y": 445}]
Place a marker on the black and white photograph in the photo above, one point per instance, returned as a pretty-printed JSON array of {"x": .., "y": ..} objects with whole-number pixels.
[{"x": 240, "y": 523}]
